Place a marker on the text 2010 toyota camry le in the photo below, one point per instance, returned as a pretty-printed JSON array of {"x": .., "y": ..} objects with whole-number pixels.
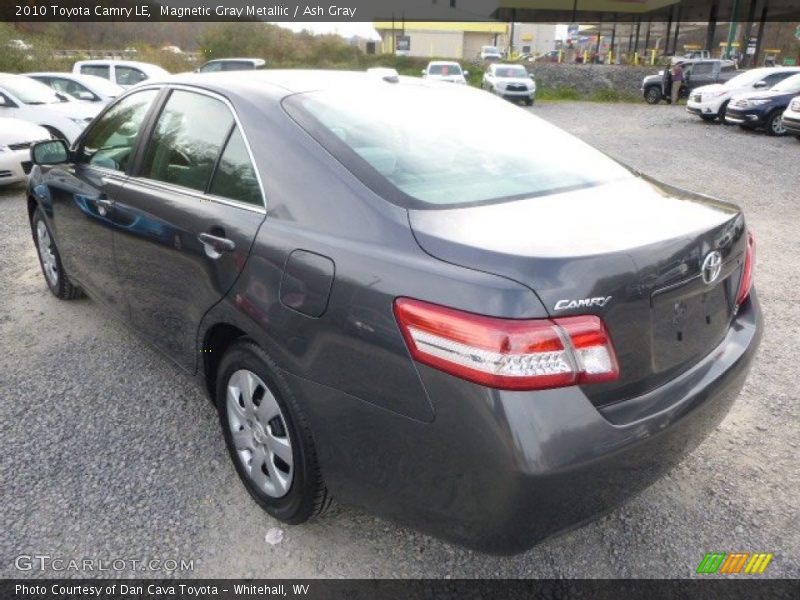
[{"x": 490, "y": 338}]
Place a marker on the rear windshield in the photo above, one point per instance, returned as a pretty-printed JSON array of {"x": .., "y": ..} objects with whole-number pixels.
[{"x": 430, "y": 148}]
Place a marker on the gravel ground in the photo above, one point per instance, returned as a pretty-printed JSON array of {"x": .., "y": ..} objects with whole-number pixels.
[{"x": 109, "y": 452}]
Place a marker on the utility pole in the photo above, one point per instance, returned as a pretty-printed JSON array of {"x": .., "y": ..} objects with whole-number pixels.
[{"x": 732, "y": 29}]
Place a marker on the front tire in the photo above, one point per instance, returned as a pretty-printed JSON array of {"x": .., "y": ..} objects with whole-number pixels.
[
  {"x": 709, "y": 118},
  {"x": 528, "y": 101},
  {"x": 268, "y": 438},
  {"x": 775, "y": 125},
  {"x": 50, "y": 260},
  {"x": 652, "y": 95}
]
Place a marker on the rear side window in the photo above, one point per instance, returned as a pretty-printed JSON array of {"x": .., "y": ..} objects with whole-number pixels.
[
  {"x": 109, "y": 142},
  {"x": 96, "y": 70},
  {"x": 211, "y": 67},
  {"x": 703, "y": 69},
  {"x": 129, "y": 75},
  {"x": 237, "y": 65},
  {"x": 187, "y": 139},
  {"x": 235, "y": 177}
]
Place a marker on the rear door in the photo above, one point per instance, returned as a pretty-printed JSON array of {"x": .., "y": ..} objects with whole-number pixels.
[
  {"x": 701, "y": 73},
  {"x": 192, "y": 212}
]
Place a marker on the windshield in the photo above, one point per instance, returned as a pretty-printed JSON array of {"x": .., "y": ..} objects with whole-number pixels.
[
  {"x": 444, "y": 69},
  {"x": 790, "y": 84},
  {"x": 745, "y": 79},
  {"x": 510, "y": 72},
  {"x": 29, "y": 91},
  {"x": 424, "y": 147}
]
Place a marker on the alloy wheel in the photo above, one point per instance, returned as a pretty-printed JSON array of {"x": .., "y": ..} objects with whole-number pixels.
[
  {"x": 259, "y": 433},
  {"x": 777, "y": 125},
  {"x": 47, "y": 254}
]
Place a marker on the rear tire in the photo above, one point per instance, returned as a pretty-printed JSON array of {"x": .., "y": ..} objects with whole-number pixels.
[
  {"x": 528, "y": 101},
  {"x": 652, "y": 95},
  {"x": 774, "y": 125},
  {"x": 50, "y": 260},
  {"x": 268, "y": 437}
]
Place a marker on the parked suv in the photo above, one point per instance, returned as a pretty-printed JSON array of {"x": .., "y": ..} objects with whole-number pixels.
[
  {"x": 710, "y": 101},
  {"x": 764, "y": 108},
  {"x": 445, "y": 71},
  {"x": 791, "y": 118},
  {"x": 512, "y": 82},
  {"x": 697, "y": 72}
]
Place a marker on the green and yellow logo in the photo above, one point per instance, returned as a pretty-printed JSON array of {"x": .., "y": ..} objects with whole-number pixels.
[{"x": 734, "y": 562}]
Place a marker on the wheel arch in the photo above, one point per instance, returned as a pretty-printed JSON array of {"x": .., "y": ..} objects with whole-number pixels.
[{"x": 216, "y": 341}]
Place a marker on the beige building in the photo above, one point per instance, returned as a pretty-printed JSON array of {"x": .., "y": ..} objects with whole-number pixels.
[
  {"x": 534, "y": 38},
  {"x": 441, "y": 39}
]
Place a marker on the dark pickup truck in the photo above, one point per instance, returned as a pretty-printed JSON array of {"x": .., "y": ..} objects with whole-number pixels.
[{"x": 697, "y": 72}]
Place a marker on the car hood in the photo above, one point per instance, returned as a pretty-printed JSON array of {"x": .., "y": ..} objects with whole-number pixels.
[
  {"x": 16, "y": 131},
  {"x": 71, "y": 109},
  {"x": 769, "y": 94}
]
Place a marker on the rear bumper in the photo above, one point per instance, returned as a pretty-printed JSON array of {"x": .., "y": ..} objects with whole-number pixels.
[{"x": 499, "y": 471}]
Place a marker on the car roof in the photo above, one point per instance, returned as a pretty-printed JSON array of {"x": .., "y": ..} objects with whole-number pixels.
[
  {"x": 233, "y": 58},
  {"x": 123, "y": 63},
  {"x": 271, "y": 82}
]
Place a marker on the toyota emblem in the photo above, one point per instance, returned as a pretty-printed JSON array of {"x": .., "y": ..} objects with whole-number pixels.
[{"x": 712, "y": 266}]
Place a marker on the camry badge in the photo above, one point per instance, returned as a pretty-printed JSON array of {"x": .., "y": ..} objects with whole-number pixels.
[
  {"x": 599, "y": 301},
  {"x": 712, "y": 266}
]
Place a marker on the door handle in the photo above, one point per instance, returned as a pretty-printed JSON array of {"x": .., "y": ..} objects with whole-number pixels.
[
  {"x": 103, "y": 205},
  {"x": 215, "y": 245}
]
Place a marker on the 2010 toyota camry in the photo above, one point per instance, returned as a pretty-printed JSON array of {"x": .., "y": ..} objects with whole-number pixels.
[{"x": 410, "y": 296}]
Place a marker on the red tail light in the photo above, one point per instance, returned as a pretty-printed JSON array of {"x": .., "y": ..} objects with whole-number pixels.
[
  {"x": 747, "y": 270},
  {"x": 508, "y": 354}
]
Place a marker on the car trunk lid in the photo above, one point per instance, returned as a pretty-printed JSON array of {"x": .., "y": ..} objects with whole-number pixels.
[{"x": 631, "y": 252}]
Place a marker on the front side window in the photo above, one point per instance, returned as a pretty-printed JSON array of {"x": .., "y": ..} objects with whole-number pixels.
[
  {"x": 235, "y": 177},
  {"x": 129, "y": 75},
  {"x": 410, "y": 144},
  {"x": 109, "y": 142},
  {"x": 103, "y": 71},
  {"x": 186, "y": 140}
]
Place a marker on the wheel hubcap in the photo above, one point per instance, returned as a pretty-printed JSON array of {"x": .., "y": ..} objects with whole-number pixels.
[
  {"x": 46, "y": 253},
  {"x": 259, "y": 433},
  {"x": 777, "y": 125}
]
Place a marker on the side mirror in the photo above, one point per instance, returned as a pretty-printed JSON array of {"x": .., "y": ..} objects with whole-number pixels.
[
  {"x": 62, "y": 97},
  {"x": 422, "y": 71},
  {"x": 466, "y": 73},
  {"x": 86, "y": 95},
  {"x": 50, "y": 152},
  {"x": 760, "y": 84}
]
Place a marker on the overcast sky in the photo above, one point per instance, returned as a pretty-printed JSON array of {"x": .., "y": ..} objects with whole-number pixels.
[{"x": 346, "y": 29}]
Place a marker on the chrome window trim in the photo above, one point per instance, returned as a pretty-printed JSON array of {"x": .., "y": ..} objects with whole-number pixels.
[
  {"x": 179, "y": 189},
  {"x": 190, "y": 191}
]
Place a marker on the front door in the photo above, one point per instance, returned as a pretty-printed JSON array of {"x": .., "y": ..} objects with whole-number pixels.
[
  {"x": 83, "y": 196},
  {"x": 193, "y": 208}
]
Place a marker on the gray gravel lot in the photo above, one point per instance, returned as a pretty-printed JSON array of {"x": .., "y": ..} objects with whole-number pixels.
[{"x": 109, "y": 452}]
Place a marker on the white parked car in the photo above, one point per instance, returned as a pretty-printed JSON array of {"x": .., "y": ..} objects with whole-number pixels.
[
  {"x": 710, "y": 101},
  {"x": 791, "y": 118},
  {"x": 441, "y": 70},
  {"x": 16, "y": 138},
  {"x": 491, "y": 53},
  {"x": 122, "y": 72},
  {"x": 23, "y": 98},
  {"x": 87, "y": 88},
  {"x": 512, "y": 82}
]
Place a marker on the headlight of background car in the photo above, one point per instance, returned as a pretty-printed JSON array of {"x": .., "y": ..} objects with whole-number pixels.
[{"x": 757, "y": 102}]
